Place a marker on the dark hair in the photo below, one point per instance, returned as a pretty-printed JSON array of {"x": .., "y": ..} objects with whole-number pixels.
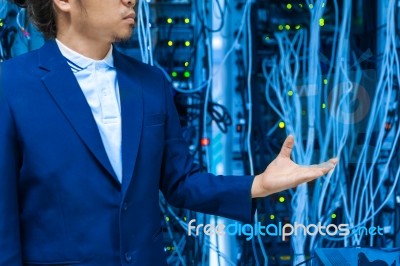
[{"x": 42, "y": 14}]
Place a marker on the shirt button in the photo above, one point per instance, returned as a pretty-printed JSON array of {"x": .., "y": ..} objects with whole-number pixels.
[
  {"x": 128, "y": 257},
  {"x": 125, "y": 206}
]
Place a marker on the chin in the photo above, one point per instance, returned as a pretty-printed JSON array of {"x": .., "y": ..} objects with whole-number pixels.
[{"x": 123, "y": 36}]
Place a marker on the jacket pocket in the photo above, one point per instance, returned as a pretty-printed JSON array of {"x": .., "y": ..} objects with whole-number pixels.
[
  {"x": 156, "y": 236},
  {"x": 55, "y": 263},
  {"x": 153, "y": 120}
]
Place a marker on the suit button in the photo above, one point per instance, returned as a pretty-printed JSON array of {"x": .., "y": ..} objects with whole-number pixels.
[
  {"x": 125, "y": 206},
  {"x": 128, "y": 257}
]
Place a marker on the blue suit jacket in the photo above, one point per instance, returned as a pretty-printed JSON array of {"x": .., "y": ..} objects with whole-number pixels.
[{"x": 60, "y": 201}]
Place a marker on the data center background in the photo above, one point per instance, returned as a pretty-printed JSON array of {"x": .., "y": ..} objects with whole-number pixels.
[{"x": 245, "y": 74}]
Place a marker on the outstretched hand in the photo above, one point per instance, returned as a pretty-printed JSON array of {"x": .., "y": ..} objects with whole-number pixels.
[{"x": 282, "y": 173}]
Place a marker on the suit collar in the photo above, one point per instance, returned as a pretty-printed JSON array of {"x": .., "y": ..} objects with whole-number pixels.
[
  {"x": 65, "y": 91},
  {"x": 50, "y": 57},
  {"x": 131, "y": 97}
]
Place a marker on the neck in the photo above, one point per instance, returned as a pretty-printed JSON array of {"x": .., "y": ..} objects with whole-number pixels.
[{"x": 93, "y": 49}]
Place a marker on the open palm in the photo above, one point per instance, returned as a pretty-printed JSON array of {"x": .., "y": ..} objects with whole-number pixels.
[{"x": 282, "y": 173}]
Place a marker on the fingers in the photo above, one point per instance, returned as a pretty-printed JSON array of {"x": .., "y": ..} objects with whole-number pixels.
[
  {"x": 330, "y": 164},
  {"x": 334, "y": 161},
  {"x": 325, "y": 166},
  {"x": 312, "y": 172},
  {"x": 287, "y": 147},
  {"x": 308, "y": 175}
]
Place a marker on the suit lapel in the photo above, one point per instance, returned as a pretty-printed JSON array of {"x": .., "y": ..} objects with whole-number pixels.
[
  {"x": 131, "y": 97},
  {"x": 64, "y": 88}
]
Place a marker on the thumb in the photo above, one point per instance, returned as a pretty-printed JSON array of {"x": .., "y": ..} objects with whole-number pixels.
[{"x": 287, "y": 147}]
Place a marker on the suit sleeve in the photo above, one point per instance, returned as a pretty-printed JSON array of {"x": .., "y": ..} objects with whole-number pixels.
[
  {"x": 10, "y": 248},
  {"x": 184, "y": 186}
]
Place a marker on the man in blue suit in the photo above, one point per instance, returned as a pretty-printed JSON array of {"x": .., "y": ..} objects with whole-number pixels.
[{"x": 89, "y": 136}]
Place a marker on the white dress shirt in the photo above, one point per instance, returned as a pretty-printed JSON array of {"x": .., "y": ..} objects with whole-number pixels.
[{"x": 98, "y": 81}]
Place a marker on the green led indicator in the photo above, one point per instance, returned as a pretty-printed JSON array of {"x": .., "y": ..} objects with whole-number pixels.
[
  {"x": 272, "y": 217},
  {"x": 281, "y": 199},
  {"x": 169, "y": 21},
  {"x": 186, "y": 74},
  {"x": 187, "y": 20},
  {"x": 290, "y": 93},
  {"x": 174, "y": 74},
  {"x": 323, "y": 106},
  {"x": 289, "y": 6},
  {"x": 333, "y": 215},
  {"x": 280, "y": 27}
]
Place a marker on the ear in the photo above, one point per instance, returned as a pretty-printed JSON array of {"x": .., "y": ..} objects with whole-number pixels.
[{"x": 62, "y": 5}]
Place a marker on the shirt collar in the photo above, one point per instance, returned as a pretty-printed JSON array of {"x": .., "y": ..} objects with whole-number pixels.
[{"x": 81, "y": 61}]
